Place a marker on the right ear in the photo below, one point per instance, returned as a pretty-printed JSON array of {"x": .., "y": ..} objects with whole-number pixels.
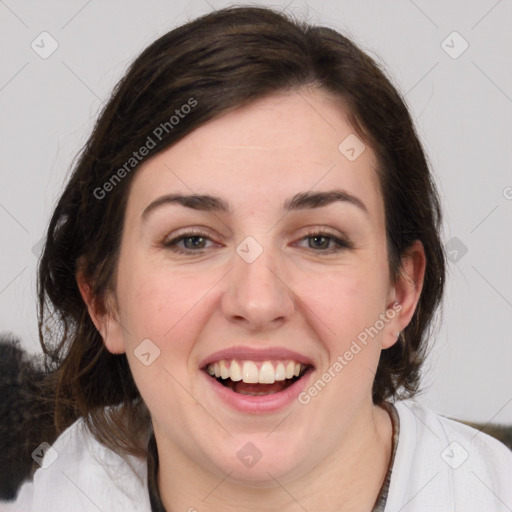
[{"x": 103, "y": 316}]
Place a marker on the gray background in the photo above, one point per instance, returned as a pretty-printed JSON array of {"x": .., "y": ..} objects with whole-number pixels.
[{"x": 462, "y": 107}]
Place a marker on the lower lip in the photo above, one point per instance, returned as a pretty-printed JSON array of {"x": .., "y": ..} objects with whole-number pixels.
[{"x": 262, "y": 403}]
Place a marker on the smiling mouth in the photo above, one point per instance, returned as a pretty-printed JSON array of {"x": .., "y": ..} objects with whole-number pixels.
[{"x": 256, "y": 378}]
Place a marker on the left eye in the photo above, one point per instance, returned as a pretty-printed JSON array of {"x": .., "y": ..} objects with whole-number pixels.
[{"x": 323, "y": 242}]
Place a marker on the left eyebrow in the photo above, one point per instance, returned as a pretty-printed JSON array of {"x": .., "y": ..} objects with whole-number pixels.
[
  {"x": 308, "y": 200},
  {"x": 300, "y": 201}
]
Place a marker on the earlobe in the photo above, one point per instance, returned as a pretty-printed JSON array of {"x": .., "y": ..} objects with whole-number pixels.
[
  {"x": 102, "y": 317},
  {"x": 407, "y": 289}
]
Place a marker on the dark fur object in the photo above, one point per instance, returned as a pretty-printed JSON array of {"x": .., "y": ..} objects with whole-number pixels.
[
  {"x": 26, "y": 419},
  {"x": 501, "y": 432}
]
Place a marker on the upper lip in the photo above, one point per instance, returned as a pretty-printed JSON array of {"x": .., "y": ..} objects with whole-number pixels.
[{"x": 255, "y": 354}]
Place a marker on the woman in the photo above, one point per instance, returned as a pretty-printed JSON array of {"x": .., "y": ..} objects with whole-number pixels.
[{"x": 239, "y": 280}]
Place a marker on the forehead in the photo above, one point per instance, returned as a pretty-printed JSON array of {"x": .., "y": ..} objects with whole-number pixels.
[{"x": 263, "y": 152}]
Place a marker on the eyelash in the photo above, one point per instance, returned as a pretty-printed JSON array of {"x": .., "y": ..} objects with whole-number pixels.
[{"x": 340, "y": 244}]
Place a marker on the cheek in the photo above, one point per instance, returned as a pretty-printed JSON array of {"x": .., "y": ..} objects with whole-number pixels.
[
  {"x": 165, "y": 306},
  {"x": 347, "y": 299},
  {"x": 162, "y": 307}
]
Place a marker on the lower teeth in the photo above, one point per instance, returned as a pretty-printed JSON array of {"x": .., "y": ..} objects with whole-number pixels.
[
  {"x": 252, "y": 393},
  {"x": 233, "y": 386}
]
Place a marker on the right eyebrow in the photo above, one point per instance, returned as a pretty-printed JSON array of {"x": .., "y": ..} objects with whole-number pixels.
[{"x": 205, "y": 203}]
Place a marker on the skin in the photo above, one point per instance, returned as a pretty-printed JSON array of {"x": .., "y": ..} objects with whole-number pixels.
[{"x": 333, "y": 452}]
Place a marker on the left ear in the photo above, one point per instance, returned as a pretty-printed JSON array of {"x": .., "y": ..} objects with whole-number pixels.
[{"x": 406, "y": 291}]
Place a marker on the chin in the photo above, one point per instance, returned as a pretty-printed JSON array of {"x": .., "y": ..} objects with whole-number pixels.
[{"x": 258, "y": 460}]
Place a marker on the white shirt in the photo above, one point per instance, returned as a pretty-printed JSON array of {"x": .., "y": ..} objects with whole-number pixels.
[{"x": 440, "y": 466}]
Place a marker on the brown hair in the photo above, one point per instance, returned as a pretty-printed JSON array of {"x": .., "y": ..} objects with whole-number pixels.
[{"x": 219, "y": 62}]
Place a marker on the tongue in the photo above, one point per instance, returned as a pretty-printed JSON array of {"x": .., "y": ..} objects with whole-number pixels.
[{"x": 242, "y": 387}]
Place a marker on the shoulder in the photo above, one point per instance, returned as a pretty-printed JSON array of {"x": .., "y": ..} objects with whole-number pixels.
[
  {"x": 78, "y": 473},
  {"x": 441, "y": 464}
]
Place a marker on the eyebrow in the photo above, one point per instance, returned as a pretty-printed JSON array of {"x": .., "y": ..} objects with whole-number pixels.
[{"x": 300, "y": 201}]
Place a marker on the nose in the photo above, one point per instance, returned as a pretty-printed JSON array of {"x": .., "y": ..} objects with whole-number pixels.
[{"x": 258, "y": 296}]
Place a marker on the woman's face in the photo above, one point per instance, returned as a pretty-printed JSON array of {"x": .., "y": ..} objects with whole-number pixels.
[{"x": 257, "y": 241}]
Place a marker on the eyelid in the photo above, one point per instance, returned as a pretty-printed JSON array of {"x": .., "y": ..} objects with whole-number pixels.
[
  {"x": 170, "y": 240},
  {"x": 192, "y": 231},
  {"x": 319, "y": 230}
]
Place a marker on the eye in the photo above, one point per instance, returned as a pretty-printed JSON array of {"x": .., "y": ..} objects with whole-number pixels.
[
  {"x": 320, "y": 241},
  {"x": 192, "y": 242},
  {"x": 325, "y": 242}
]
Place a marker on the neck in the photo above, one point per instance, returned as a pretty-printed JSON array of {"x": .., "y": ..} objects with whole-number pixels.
[{"x": 350, "y": 477}]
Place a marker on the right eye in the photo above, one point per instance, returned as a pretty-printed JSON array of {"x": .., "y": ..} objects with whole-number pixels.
[{"x": 193, "y": 242}]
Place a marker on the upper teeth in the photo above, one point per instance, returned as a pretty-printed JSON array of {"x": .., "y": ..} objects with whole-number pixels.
[{"x": 248, "y": 371}]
